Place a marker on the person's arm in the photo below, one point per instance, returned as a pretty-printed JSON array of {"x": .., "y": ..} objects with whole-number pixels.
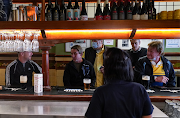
[
  {"x": 36, "y": 67},
  {"x": 93, "y": 76},
  {"x": 149, "y": 116},
  {"x": 8, "y": 76},
  {"x": 66, "y": 77},
  {"x": 171, "y": 82}
]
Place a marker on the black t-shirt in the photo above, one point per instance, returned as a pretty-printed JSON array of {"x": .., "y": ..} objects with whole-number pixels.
[{"x": 120, "y": 99}]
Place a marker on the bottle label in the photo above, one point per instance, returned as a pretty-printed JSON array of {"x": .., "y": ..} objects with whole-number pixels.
[
  {"x": 144, "y": 17},
  {"x": 121, "y": 15},
  {"x": 62, "y": 17},
  {"x": 76, "y": 14},
  {"x": 69, "y": 14},
  {"x": 49, "y": 15},
  {"x": 129, "y": 15},
  {"x": 136, "y": 17},
  {"x": 84, "y": 17},
  {"x": 99, "y": 17},
  {"x": 114, "y": 15},
  {"x": 56, "y": 15},
  {"x": 106, "y": 17}
]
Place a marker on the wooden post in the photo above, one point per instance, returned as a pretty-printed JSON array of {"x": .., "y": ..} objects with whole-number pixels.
[
  {"x": 43, "y": 10},
  {"x": 45, "y": 67}
]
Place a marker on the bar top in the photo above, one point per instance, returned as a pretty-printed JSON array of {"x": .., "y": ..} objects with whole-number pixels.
[
  {"x": 51, "y": 108},
  {"x": 58, "y": 93}
]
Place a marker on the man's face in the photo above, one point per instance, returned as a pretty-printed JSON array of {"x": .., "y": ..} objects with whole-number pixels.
[
  {"x": 152, "y": 53},
  {"x": 135, "y": 44},
  {"x": 99, "y": 44},
  {"x": 76, "y": 56},
  {"x": 27, "y": 55}
]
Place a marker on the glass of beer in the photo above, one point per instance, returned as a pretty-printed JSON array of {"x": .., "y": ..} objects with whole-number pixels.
[
  {"x": 146, "y": 81},
  {"x": 23, "y": 81},
  {"x": 87, "y": 83}
]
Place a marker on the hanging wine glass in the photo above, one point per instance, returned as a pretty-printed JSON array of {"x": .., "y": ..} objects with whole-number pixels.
[
  {"x": 27, "y": 45},
  {"x": 7, "y": 42},
  {"x": 35, "y": 43},
  {"x": 1, "y": 42},
  {"x": 11, "y": 42}
]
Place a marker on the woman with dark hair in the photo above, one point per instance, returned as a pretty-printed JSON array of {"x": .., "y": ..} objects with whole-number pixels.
[{"x": 120, "y": 97}]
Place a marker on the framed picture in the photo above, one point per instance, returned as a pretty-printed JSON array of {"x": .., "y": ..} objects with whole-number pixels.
[{"x": 83, "y": 43}]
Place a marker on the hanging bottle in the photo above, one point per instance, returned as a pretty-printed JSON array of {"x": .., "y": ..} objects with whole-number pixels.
[
  {"x": 136, "y": 13},
  {"x": 114, "y": 9},
  {"x": 98, "y": 14},
  {"x": 153, "y": 11},
  {"x": 149, "y": 10},
  {"x": 49, "y": 11},
  {"x": 83, "y": 12},
  {"x": 106, "y": 12},
  {"x": 144, "y": 13},
  {"x": 121, "y": 11},
  {"x": 62, "y": 11},
  {"x": 76, "y": 11},
  {"x": 128, "y": 13},
  {"x": 69, "y": 12},
  {"x": 56, "y": 12}
]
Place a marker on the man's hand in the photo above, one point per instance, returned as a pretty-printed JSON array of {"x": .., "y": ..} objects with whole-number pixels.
[
  {"x": 102, "y": 69},
  {"x": 163, "y": 79}
]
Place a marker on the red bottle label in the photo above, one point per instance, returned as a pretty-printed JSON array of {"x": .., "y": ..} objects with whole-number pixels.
[
  {"x": 99, "y": 17},
  {"x": 107, "y": 17}
]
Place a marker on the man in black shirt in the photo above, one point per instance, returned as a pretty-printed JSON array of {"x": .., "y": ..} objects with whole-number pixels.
[
  {"x": 136, "y": 52},
  {"x": 78, "y": 69},
  {"x": 23, "y": 66}
]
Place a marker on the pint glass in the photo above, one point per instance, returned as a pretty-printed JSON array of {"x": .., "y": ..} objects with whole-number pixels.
[
  {"x": 87, "y": 83},
  {"x": 146, "y": 81},
  {"x": 23, "y": 81}
]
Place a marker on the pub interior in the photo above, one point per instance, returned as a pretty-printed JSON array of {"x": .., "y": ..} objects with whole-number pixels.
[{"x": 55, "y": 40}]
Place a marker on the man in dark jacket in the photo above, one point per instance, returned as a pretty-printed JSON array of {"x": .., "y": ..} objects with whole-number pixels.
[
  {"x": 136, "y": 52},
  {"x": 95, "y": 55},
  {"x": 78, "y": 69},
  {"x": 156, "y": 66}
]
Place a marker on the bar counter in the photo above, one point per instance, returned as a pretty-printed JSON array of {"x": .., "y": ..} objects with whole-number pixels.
[{"x": 58, "y": 93}]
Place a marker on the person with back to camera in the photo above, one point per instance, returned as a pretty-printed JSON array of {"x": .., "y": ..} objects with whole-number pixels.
[
  {"x": 95, "y": 55},
  {"x": 136, "y": 51},
  {"x": 156, "y": 66},
  {"x": 78, "y": 69},
  {"x": 120, "y": 97}
]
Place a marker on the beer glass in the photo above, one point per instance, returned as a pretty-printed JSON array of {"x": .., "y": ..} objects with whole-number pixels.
[
  {"x": 87, "y": 83},
  {"x": 23, "y": 81},
  {"x": 146, "y": 81}
]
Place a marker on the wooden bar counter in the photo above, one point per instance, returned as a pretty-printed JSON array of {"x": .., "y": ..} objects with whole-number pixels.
[{"x": 58, "y": 93}]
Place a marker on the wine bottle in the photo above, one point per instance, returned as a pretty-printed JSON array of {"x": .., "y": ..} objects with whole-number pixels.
[
  {"x": 76, "y": 11},
  {"x": 56, "y": 12},
  {"x": 69, "y": 12},
  {"x": 144, "y": 13},
  {"x": 139, "y": 7},
  {"x": 149, "y": 10},
  {"x": 128, "y": 12},
  {"x": 49, "y": 11},
  {"x": 98, "y": 14},
  {"x": 136, "y": 13},
  {"x": 106, "y": 12},
  {"x": 62, "y": 11},
  {"x": 83, "y": 11},
  {"x": 114, "y": 9},
  {"x": 121, "y": 11},
  {"x": 153, "y": 11}
]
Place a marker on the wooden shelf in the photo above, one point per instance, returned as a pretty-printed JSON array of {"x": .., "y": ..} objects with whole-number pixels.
[
  {"x": 39, "y": 1},
  {"x": 161, "y": 29},
  {"x": 86, "y": 25}
]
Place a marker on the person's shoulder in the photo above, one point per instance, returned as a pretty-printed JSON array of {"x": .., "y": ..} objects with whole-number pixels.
[
  {"x": 144, "y": 58},
  {"x": 87, "y": 62},
  {"x": 138, "y": 86},
  {"x": 89, "y": 49},
  {"x": 12, "y": 63}
]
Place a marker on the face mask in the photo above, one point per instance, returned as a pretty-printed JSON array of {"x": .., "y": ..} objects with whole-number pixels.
[
  {"x": 154, "y": 59},
  {"x": 94, "y": 45}
]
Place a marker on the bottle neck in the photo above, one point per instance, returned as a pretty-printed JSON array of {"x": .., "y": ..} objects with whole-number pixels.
[
  {"x": 56, "y": 2},
  {"x": 49, "y": 2}
]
